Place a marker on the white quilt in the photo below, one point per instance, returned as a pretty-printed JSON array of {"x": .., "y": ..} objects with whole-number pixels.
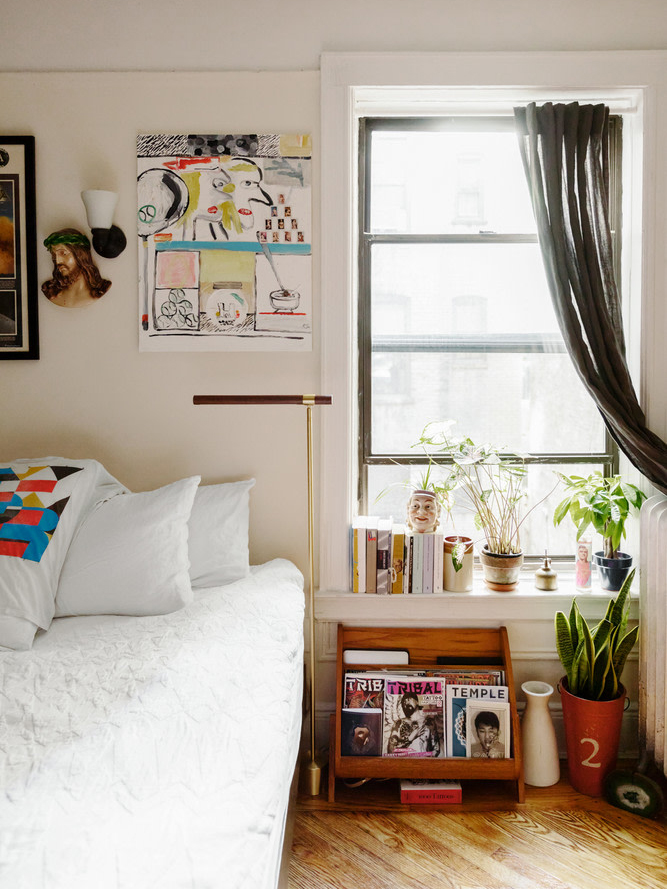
[{"x": 140, "y": 752}]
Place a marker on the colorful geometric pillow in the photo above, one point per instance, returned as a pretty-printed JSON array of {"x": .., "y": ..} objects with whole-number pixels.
[{"x": 42, "y": 503}]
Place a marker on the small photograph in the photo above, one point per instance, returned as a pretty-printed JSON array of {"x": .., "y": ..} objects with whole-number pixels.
[
  {"x": 583, "y": 564},
  {"x": 274, "y": 211},
  {"x": 276, "y": 237},
  {"x": 361, "y": 732},
  {"x": 300, "y": 238},
  {"x": 288, "y": 211},
  {"x": 281, "y": 223},
  {"x": 488, "y": 730},
  {"x": 288, "y": 237},
  {"x": 268, "y": 224},
  {"x": 295, "y": 223}
]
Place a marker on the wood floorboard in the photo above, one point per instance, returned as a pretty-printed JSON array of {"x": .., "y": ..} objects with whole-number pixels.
[
  {"x": 620, "y": 853},
  {"x": 556, "y": 839},
  {"x": 477, "y": 836}
]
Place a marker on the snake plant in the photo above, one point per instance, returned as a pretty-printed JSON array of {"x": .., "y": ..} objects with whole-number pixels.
[{"x": 594, "y": 658}]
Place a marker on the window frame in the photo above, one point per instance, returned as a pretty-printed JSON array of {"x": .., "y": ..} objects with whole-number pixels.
[
  {"x": 354, "y": 84},
  {"x": 608, "y": 458}
]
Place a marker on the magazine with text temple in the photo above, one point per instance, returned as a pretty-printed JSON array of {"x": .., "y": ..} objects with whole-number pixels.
[{"x": 457, "y": 698}]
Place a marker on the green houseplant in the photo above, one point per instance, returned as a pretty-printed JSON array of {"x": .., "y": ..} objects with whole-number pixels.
[
  {"x": 492, "y": 481},
  {"x": 594, "y": 659},
  {"x": 592, "y": 695},
  {"x": 603, "y": 503},
  {"x": 457, "y": 549}
]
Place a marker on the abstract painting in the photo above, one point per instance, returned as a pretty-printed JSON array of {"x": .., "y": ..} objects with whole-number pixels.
[
  {"x": 18, "y": 257},
  {"x": 224, "y": 229}
]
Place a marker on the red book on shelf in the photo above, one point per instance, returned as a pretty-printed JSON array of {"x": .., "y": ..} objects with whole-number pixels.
[{"x": 434, "y": 792}]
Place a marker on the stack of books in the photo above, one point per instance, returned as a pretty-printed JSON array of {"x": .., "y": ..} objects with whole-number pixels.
[
  {"x": 426, "y": 713},
  {"x": 388, "y": 558}
]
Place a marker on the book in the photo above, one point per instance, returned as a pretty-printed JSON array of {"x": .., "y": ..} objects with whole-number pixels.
[
  {"x": 413, "y": 717},
  {"x": 417, "y": 572},
  {"x": 488, "y": 734},
  {"x": 364, "y": 689},
  {"x": 457, "y": 698},
  {"x": 407, "y": 563},
  {"x": 397, "y": 557},
  {"x": 433, "y": 792},
  {"x": 371, "y": 553},
  {"x": 359, "y": 554},
  {"x": 361, "y": 732},
  {"x": 427, "y": 565},
  {"x": 383, "y": 581},
  {"x": 375, "y": 656},
  {"x": 438, "y": 561}
]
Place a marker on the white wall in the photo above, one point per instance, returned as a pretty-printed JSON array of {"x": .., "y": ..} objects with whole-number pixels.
[
  {"x": 290, "y": 35},
  {"x": 92, "y": 393}
]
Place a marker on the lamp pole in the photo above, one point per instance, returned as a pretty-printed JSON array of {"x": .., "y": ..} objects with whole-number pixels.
[{"x": 309, "y": 401}]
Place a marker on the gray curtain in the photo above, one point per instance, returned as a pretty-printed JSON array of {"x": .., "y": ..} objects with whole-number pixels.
[{"x": 565, "y": 152}]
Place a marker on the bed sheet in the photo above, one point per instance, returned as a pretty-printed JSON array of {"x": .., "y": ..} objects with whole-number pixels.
[{"x": 154, "y": 751}]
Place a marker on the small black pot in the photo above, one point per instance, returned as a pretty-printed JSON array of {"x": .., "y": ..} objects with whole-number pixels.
[{"x": 613, "y": 571}]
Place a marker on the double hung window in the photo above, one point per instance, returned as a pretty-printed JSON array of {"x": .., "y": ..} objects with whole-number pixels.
[{"x": 456, "y": 324}]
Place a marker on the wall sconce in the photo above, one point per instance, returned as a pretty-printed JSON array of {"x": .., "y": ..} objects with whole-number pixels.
[{"x": 108, "y": 240}]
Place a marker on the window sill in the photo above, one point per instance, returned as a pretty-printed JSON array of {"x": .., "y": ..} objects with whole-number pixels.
[{"x": 526, "y": 603}]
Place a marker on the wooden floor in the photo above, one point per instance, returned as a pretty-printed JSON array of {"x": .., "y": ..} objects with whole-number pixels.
[{"x": 557, "y": 839}]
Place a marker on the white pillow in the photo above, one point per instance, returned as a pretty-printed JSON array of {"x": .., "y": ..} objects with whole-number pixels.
[
  {"x": 16, "y": 633},
  {"x": 131, "y": 555},
  {"x": 43, "y": 501},
  {"x": 219, "y": 527}
]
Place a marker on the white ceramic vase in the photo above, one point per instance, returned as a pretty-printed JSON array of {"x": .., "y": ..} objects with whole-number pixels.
[{"x": 540, "y": 748}]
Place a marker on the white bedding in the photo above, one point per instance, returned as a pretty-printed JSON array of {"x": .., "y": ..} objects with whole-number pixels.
[{"x": 141, "y": 752}]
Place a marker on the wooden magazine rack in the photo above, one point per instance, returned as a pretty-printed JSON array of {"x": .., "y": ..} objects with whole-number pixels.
[{"x": 435, "y": 649}]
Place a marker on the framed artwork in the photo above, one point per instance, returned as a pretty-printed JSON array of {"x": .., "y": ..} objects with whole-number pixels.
[
  {"x": 224, "y": 233},
  {"x": 19, "y": 334}
]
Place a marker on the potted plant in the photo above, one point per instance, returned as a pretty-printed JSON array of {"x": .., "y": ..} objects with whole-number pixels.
[
  {"x": 605, "y": 504},
  {"x": 591, "y": 692},
  {"x": 492, "y": 481}
]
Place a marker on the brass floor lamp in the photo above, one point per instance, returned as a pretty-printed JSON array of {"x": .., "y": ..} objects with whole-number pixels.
[{"x": 308, "y": 401}]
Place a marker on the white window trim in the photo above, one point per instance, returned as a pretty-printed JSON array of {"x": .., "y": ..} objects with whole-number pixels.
[{"x": 354, "y": 84}]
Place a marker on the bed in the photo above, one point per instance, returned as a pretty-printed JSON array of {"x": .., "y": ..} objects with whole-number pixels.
[{"x": 152, "y": 750}]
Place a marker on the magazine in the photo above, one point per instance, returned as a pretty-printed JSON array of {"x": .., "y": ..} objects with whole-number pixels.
[
  {"x": 364, "y": 690},
  {"x": 413, "y": 717},
  {"x": 488, "y": 734},
  {"x": 361, "y": 732},
  {"x": 467, "y": 676},
  {"x": 457, "y": 699}
]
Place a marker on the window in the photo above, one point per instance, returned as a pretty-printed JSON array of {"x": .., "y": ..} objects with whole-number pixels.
[{"x": 455, "y": 318}]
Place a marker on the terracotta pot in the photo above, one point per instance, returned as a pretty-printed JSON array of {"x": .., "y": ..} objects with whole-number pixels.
[
  {"x": 592, "y": 736},
  {"x": 458, "y": 581},
  {"x": 501, "y": 570}
]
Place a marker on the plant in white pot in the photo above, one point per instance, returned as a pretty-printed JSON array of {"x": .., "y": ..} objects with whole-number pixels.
[
  {"x": 605, "y": 504},
  {"x": 493, "y": 483},
  {"x": 591, "y": 692}
]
